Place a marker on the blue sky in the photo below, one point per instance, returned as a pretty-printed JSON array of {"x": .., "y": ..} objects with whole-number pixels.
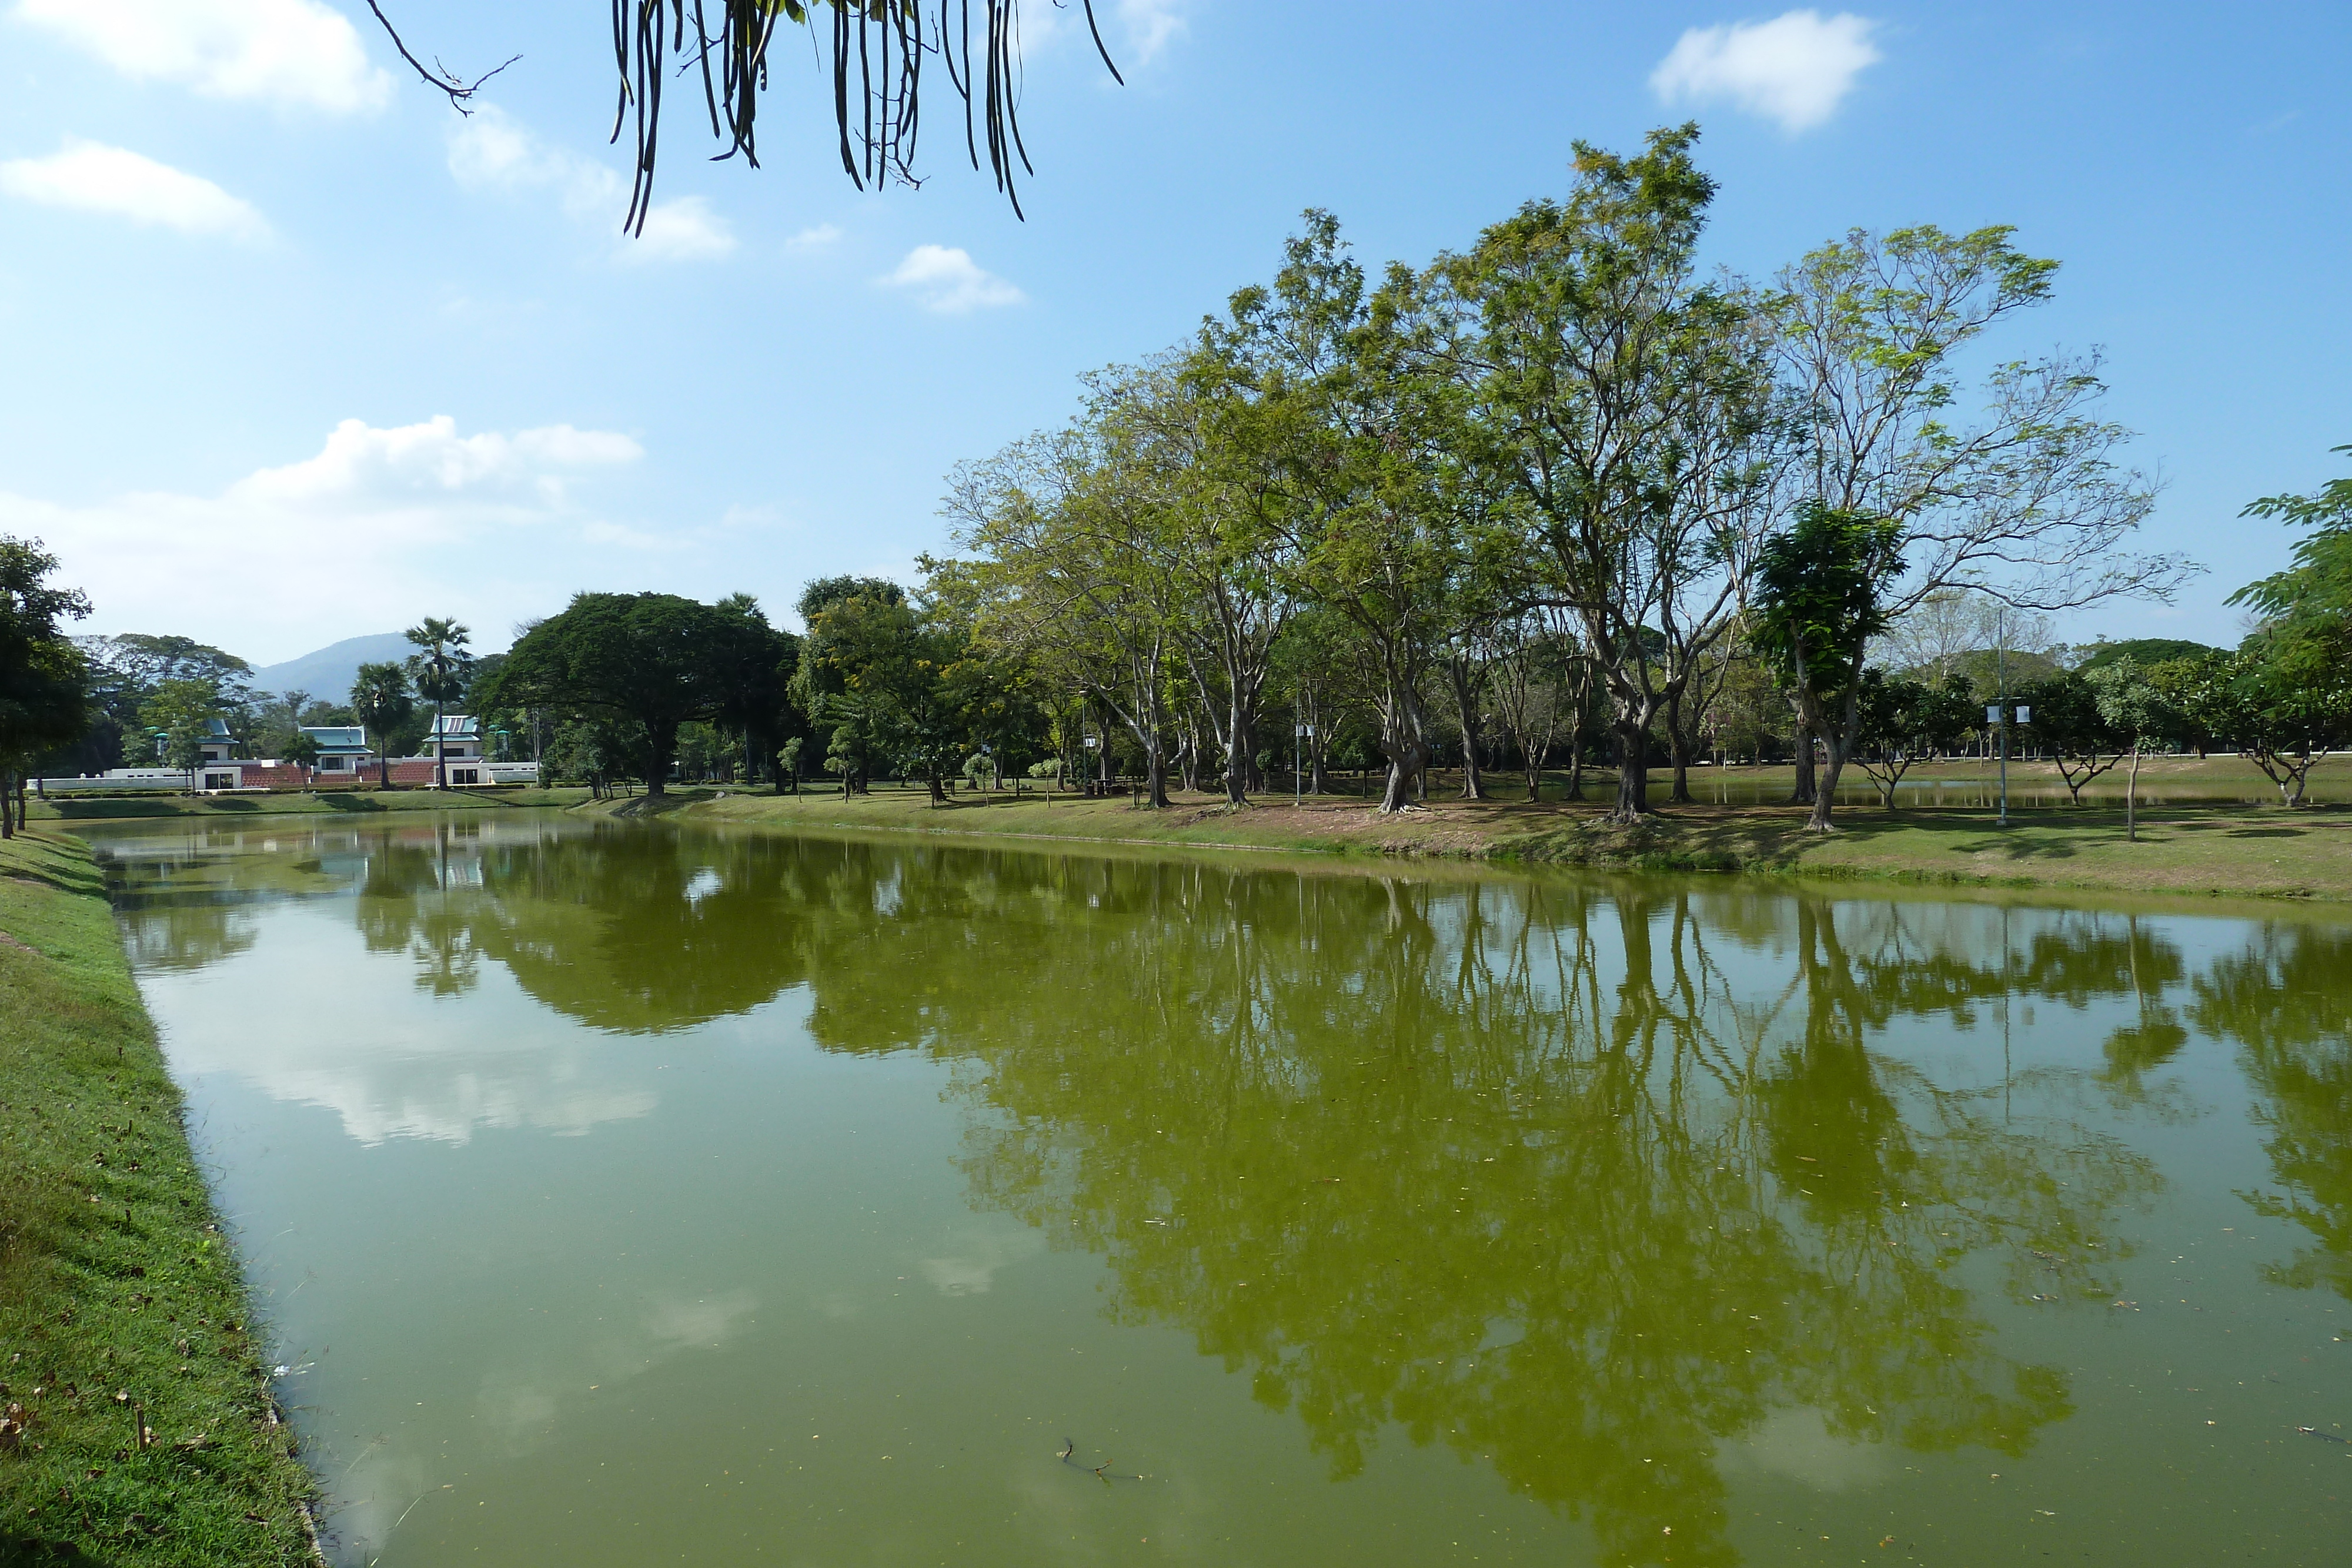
[{"x": 295, "y": 353}]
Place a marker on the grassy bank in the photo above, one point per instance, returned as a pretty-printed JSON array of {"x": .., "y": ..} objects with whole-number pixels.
[
  {"x": 2228, "y": 850},
  {"x": 117, "y": 1292},
  {"x": 332, "y": 803}
]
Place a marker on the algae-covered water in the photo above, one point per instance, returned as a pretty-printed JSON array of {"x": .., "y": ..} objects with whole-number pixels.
[{"x": 627, "y": 1194}]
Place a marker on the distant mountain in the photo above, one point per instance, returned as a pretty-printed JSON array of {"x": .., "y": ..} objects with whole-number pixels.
[{"x": 328, "y": 673}]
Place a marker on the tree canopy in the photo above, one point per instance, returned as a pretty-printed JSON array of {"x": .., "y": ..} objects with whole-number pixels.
[
  {"x": 44, "y": 677},
  {"x": 641, "y": 665}
]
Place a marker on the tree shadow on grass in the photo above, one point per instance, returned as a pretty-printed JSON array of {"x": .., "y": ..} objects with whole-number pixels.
[
  {"x": 25, "y": 1552},
  {"x": 72, "y": 810},
  {"x": 351, "y": 803},
  {"x": 35, "y": 874}
]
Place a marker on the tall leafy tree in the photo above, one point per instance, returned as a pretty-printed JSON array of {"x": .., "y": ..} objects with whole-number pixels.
[
  {"x": 2027, "y": 504},
  {"x": 891, "y": 662},
  {"x": 1326, "y": 381},
  {"x": 1071, "y": 573},
  {"x": 44, "y": 677},
  {"x": 1617, "y": 400},
  {"x": 838, "y": 721}
]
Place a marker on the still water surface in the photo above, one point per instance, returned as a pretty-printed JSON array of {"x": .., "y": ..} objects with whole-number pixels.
[{"x": 622, "y": 1194}]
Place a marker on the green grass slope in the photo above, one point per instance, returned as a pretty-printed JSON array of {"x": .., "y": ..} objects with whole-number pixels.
[{"x": 118, "y": 1294}]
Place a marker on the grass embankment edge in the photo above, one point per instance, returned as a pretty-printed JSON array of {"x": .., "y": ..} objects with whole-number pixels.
[
  {"x": 120, "y": 1294},
  {"x": 2183, "y": 852}
]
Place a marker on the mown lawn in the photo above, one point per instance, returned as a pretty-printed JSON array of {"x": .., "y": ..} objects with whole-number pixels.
[
  {"x": 119, "y": 1296},
  {"x": 2197, "y": 848}
]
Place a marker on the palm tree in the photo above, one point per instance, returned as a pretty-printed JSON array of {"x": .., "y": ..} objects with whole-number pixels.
[
  {"x": 439, "y": 668},
  {"x": 380, "y": 701}
]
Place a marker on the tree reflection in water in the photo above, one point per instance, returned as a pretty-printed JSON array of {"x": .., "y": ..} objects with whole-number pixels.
[
  {"x": 1521, "y": 1168},
  {"x": 2284, "y": 1000}
]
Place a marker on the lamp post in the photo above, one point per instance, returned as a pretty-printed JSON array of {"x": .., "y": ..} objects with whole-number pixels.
[
  {"x": 1999, "y": 715},
  {"x": 1300, "y": 733}
]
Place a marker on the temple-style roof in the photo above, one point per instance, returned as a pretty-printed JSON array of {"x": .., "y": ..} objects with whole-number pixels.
[{"x": 338, "y": 739}]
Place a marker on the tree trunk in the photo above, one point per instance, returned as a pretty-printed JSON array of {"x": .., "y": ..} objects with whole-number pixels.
[
  {"x": 1405, "y": 773},
  {"x": 2131, "y": 799},
  {"x": 1805, "y": 790},
  {"x": 1837, "y": 739},
  {"x": 939, "y": 789},
  {"x": 1632, "y": 773},
  {"x": 7, "y": 794},
  {"x": 1466, "y": 709},
  {"x": 1241, "y": 761},
  {"x": 1678, "y": 748}
]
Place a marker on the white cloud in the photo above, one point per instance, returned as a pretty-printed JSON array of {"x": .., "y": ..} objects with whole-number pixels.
[
  {"x": 681, "y": 230},
  {"x": 363, "y": 468},
  {"x": 300, "y": 53},
  {"x": 1142, "y": 29},
  {"x": 949, "y": 281},
  {"x": 491, "y": 152},
  {"x": 818, "y": 236},
  {"x": 1794, "y": 68},
  {"x": 1150, "y": 24},
  {"x": 95, "y": 178},
  {"x": 377, "y": 522}
]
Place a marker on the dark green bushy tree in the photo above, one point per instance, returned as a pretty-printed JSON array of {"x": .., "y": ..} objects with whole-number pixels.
[
  {"x": 1904, "y": 720},
  {"x": 643, "y": 664},
  {"x": 1815, "y": 591},
  {"x": 44, "y": 678},
  {"x": 2067, "y": 719}
]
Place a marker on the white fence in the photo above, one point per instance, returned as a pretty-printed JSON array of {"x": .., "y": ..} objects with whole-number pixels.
[
  {"x": 120, "y": 779},
  {"x": 218, "y": 776}
]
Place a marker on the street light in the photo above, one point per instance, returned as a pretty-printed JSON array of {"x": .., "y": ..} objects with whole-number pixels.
[{"x": 1300, "y": 733}]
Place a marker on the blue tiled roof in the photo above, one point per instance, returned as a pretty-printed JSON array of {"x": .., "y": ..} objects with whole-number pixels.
[
  {"x": 337, "y": 737},
  {"x": 456, "y": 727}
]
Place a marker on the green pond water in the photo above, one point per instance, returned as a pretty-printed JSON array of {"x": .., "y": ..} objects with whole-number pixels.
[{"x": 622, "y": 1194}]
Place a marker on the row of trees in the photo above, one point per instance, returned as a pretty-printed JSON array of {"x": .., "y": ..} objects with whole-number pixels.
[{"x": 1564, "y": 454}]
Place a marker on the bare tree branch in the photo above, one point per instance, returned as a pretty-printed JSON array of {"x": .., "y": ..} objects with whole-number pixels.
[{"x": 460, "y": 92}]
